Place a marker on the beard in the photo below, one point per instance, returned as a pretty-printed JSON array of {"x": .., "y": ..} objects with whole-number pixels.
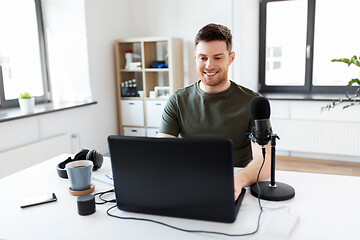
[{"x": 220, "y": 78}]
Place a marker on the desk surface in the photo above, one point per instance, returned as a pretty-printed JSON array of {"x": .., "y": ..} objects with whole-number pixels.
[{"x": 328, "y": 206}]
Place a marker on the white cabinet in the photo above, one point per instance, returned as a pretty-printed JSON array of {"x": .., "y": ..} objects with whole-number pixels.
[
  {"x": 132, "y": 131},
  {"x": 132, "y": 113},
  {"x": 154, "y": 109},
  {"x": 152, "y": 132}
]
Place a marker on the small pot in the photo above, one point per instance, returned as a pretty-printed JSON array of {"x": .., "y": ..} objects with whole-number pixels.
[{"x": 27, "y": 105}]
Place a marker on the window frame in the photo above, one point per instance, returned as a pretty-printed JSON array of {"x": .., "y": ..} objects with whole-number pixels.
[
  {"x": 44, "y": 66},
  {"x": 308, "y": 87}
]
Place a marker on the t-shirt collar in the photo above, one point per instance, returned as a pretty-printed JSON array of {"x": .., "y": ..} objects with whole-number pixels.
[{"x": 223, "y": 93}]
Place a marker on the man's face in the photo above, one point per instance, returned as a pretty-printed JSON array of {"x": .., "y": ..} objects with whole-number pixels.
[{"x": 212, "y": 62}]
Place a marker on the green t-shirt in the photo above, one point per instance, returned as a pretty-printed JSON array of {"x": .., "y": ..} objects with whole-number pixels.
[{"x": 192, "y": 112}]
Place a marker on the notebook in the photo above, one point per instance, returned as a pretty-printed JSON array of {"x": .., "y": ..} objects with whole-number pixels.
[{"x": 177, "y": 177}]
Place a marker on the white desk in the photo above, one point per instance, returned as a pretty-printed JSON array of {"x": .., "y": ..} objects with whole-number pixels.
[{"x": 328, "y": 205}]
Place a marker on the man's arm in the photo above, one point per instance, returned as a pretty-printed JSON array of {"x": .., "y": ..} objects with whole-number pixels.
[
  {"x": 170, "y": 125},
  {"x": 247, "y": 176},
  {"x": 164, "y": 135}
]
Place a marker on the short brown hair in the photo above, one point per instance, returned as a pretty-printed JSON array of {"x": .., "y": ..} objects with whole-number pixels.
[{"x": 213, "y": 32}]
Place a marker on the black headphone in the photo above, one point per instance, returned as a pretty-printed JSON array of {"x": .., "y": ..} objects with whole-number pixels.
[{"x": 82, "y": 154}]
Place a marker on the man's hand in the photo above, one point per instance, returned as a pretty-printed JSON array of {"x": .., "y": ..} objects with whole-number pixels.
[
  {"x": 247, "y": 176},
  {"x": 238, "y": 184}
]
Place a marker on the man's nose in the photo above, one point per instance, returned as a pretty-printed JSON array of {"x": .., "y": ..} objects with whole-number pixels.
[{"x": 209, "y": 64}]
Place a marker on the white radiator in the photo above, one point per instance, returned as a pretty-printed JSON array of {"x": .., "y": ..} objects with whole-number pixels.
[
  {"x": 22, "y": 157},
  {"x": 322, "y": 137}
]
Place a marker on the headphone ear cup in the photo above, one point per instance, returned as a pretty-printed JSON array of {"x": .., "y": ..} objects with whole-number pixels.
[
  {"x": 96, "y": 158},
  {"x": 81, "y": 154},
  {"x": 60, "y": 168}
]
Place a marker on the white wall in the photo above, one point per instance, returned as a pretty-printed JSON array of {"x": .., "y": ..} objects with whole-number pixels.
[{"x": 107, "y": 20}]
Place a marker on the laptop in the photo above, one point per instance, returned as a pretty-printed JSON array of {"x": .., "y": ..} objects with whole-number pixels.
[{"x": 178, "y": 177}]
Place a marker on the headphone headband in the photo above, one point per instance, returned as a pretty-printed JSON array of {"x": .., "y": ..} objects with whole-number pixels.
[{"x": 82, "y": 154}]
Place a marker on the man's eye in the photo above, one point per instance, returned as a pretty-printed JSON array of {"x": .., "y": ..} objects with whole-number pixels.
[
  {"x": 217, "y": 58},
  {"x": 203, "y": 58}
]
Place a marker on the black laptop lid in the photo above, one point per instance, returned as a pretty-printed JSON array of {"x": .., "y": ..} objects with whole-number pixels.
[{"x": 188, "y": 178}]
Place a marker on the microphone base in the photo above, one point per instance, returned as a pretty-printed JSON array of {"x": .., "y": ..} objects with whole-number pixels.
[{"x": 280, "y": 192}]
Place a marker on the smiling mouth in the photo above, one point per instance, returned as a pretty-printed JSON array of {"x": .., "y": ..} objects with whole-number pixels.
[{"x": 210, "y": 74}]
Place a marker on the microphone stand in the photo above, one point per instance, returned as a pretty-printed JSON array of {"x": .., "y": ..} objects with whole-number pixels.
[{"x": 271, "y": 190}]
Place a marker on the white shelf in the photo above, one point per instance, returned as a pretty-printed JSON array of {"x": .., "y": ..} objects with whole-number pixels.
[{"x": 149, "y": 49}]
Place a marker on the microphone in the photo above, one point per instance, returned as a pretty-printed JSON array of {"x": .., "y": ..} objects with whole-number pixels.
[
  {"x": 260, "y": 113},
  {"x": 262, "y": 134}
]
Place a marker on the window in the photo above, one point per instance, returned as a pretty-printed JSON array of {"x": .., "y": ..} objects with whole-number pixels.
[
  {"x": 298, "y": 39},
  {"x": 22, "y": 52}
]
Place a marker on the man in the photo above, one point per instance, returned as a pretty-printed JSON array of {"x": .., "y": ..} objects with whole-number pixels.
[{"x": 216, "y": 107}]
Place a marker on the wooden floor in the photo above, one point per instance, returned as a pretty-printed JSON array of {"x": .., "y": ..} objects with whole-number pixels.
[{"x": 317, "y": 166}]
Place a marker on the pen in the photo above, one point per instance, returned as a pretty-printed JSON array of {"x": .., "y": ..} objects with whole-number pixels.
[{"x": 108, "y": 176}]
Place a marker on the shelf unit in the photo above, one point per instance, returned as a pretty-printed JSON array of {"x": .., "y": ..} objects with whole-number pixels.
[{"x": 141, "y": 116}]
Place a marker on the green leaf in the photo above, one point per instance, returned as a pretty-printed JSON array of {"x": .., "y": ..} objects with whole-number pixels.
[
  {"x": 327, "y": 107},
  {"x": 344, "y": 60},
  {"x": 354, "y": 80},
  {"x": 354, "y": 60},
  {"x": 25, "y": 95}
]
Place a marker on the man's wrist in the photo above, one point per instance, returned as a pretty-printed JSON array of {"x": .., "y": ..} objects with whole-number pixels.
[{"x": 241, "y": 179}]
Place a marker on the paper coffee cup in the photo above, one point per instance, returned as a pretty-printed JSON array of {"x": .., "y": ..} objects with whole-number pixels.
[{"x": 79, "y": 173}]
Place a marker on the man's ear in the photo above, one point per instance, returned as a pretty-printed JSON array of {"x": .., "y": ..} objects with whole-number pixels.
[
  {"x": 195, "y": 55},
  {"x": 232, "y": 57}
]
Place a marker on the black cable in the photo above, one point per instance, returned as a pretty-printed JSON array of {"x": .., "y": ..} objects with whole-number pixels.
[
  {"x": 173, "y": 227},
  {"x": 101, "y": 194},
  {"x": 201, "y": 231}
]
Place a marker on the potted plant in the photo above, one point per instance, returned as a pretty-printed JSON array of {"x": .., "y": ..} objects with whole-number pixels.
[
  {"x": 350, "y": 100},
  {"x": 27, "y": 103}
]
